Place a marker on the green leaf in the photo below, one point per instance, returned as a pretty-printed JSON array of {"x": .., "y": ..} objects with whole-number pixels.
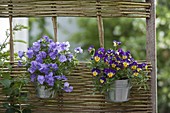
[
  {"x": 6, "y": 76},
  {"x": 22, "y": 41},
  {"x": 11, "y": 110},
  {"x": 26, "y": 111},
  {"x": 6, "y": 105},
  {"x": 6, "y": 83}
]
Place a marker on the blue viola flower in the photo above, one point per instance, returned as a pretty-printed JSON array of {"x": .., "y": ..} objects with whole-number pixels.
[
  {"x": 19, "y": 63},
  {"x": 62, "y": 58},
  {"x": 33, "y": 77},
  {"x": 52, "y": 45},
  {"x": 78, "y": 50},
  {"x": 53, "y": 55},
  {"x": 60, "y": 77},
  {"x": 42, "y": 54},
  {"x": 44, "y": 68},
  {"x": 39, "y": 59},
  {"x": 36, "y": 46},
  {"x": 20, "y": 54},
  {"x": 54, "y": 66},
  {"x": 47, "y": 39},
  {"x": 40, "y": 79},
  {"x": 65, "y": 46},
  {"x": 70, "y": 57},
  {"x": 67, "y": 88},
  {"x": 30, "y": 53},
  {"x": 49, "y": 79}
]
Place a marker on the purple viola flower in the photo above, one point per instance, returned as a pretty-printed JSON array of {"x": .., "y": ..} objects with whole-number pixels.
[
  {"x": 60, "y": 77},
  {"x": 62, "y": 58},
  {"x": 64, "y": 46},
  {"x": 40, "y": 79},
  {"x": 133, "y": 65},
  {"x": 47, "y": 39},
  {"x": 44, "y": 68},
  {"x": 20, "y": 54},
  {"x": 102, "y": 80},
  {"x": 67, "y": 88},
  {"x": 53, "y": 55},
  {"x": 33, "y": 77},
  {"x": 31, "y": 70},
  {"x": 70, "y": 57},
  {"x": 54, "y": 66},
  {"x": 49, "y": 79},
  {"x": 63, "y": 77},
  {"x": 78, "y": 50},
  {"x": 19, "y": 63},
  {"x": 95, "y": 71},
  {"x": 39, "y": 59},
  {"x": 98, "y": 57},
  {"x": 30, "y": 53},
  {"x": 101, "y": 51},
  {"x": 109, "y": 72},
  {"x": 52, "y": 46},
  {"x": 116, "y": 43},
  {"x": 43, "y": 54},
  {"x": 36, "y": 46},
  {"x": 90, "y": 49}
]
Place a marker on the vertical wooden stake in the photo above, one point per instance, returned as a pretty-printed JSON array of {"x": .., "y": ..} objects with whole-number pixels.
[
  {"x": 54, "y": 20},
  {"x": 151, "y": 52},
  {"x": 11, "y": 40},
  {"x": 101, "y": 30}
]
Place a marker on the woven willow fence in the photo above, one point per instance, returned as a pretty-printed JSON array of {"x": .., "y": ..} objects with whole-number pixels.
[{"x": 82, "y": 100}]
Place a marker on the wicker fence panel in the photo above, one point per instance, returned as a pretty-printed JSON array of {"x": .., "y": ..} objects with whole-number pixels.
[
  {"x": 83, "y": 99},
  {"x": 75, "y": 8}
]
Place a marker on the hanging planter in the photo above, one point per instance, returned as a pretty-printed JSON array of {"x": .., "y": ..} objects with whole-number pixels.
[
  {"x": 43, "y": 92},
  {"x": 48, "y": 63},
  {"x": 111, "y": 67},
  {"x": 119, "y": 91}
]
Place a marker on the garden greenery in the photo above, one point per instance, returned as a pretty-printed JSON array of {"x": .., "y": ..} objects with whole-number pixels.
[
  {"x": 115, "y": 64},
  {"x": 12, "y": 86}
]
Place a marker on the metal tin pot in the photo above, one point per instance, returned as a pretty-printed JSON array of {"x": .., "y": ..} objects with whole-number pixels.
[
  {"x": 43, "y": 92},
  {"x": 119, "y": 91}
]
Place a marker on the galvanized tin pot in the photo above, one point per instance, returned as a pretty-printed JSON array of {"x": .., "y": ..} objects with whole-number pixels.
[
  {"x": 43, "y": 92},
  {"x": 119, "y": 91}
]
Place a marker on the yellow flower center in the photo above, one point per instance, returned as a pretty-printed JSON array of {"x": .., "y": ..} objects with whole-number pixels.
[
  {"x": 101, "y": 81},
  {"x": 114, "y": 44},
  {"x": 124, "y": 57},
  {"x": 139, "y": 69},
  {"x": 113, "y": 65},
  {"x": 125, "y": 64},
  {"x": 146, "y": 67},
  {"x": 117, "y": 68},
  {"x": 95, "y": 73},
  {"x": 110, "y": 74},
  {"x": 135, "y": 74},
  {"x": 133, "y": 67},
  {"x": 97, "y": 59}
]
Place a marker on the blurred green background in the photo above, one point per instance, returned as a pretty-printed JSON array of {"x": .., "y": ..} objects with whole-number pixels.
[{"x": 132, "y": 34}]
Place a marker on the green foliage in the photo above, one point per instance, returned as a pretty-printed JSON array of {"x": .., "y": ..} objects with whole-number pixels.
[
  {"x": 128, "y": 31},
  {"x": 12, "y": 86},
  {"x": 37, "y": 24}
]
